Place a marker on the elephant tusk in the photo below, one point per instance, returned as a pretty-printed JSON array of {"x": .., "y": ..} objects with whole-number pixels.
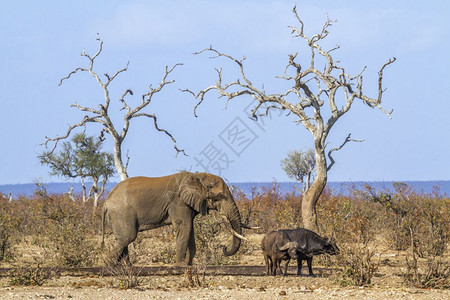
[
  {"x": 250, "y": 227},
  {"x": 239, "y": 236}
]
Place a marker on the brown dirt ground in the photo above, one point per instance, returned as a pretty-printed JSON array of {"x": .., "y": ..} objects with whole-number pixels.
[
  {"x": 214, "y": 287},
  {"x": 387, "y": 284}
]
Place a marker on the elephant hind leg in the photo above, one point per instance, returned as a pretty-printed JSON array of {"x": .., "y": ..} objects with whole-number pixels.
[
  {"x": 124, "y": 256},
  {"x": 120, "y": 252},
  {"x": 124, "y": 235}
]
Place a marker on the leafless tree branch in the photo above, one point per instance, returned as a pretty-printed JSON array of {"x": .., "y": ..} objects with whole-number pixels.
[
  {"x": 315, "y": 91},
  {"x": 155, "y": 122},
  {"x": 347, "y": 139},
  {"x": 101, "y": 114},
  {"x": 56, "y": 140},
  {"x": 128, "y": 158}
]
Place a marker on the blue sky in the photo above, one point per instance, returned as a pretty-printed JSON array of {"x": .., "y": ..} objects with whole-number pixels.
[{"x": 41, "y": 42}]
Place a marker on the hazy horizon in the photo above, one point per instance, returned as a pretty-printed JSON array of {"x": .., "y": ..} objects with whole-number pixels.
[{"x": 338, "y": 187}]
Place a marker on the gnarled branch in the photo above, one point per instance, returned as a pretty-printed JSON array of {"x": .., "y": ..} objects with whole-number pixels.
[
  {"x": 101, "y": 114},
  {"x": 312, "y": 98},
  {"x": 155, "y": 122},
  {"x": 347, "y": 139}
]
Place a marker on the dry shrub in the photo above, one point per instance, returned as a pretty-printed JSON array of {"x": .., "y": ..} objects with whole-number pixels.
[
  {"x": 434, "y": 226},
  {"x": 419, "y": 223},
  {"x": 406, "y": 211},
  {"x": 435, "y": 272},
  {"x": 31, "y": 273},
  {"x": 269, "y": 209},
  {"x": 355, "y": 232},
  {"x": 358, "y": 265},
  {"x": 192, "y": 278},
  {"x": 124, "y": 276},
  {"x": 63, "y": 228},
  {"x": 9, "y": 229},
  {"x": 333, "y": 215},
  {"x": 211, "y": 234},
  {"x": 67, "y": 239},
  {"x": 66, "y": 233},
  {"x": 426, "y": 265},
  {"x": 156, "y": 245}
]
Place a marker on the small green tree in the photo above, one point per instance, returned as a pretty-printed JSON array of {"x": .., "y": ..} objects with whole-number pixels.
[
  {"x": 82, "y": 158},
  {"x": 300, "y": 166}
]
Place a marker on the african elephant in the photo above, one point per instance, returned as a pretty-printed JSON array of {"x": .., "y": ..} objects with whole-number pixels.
[{"x": 143, "y": 203}]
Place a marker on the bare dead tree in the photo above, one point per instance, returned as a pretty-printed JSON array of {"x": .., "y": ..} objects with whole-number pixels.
[
  {"x": 312, "y": 89},
  {"x": 101, "y": 114}
]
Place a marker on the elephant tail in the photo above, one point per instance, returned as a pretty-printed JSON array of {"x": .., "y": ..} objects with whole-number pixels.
[{"x": 104, "y": 212}]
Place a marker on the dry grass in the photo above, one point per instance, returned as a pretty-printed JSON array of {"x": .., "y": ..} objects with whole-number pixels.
[{"x": 397, "y": 239}]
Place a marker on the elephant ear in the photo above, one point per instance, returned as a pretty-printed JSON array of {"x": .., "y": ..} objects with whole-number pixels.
[{"x": 192, "y": 193}]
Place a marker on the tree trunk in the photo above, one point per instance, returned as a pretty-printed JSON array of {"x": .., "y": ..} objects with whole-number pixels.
[
  {"x": 311, "y": 196},
  {"x": 121, "y": 169},
  {"x": 83, "y": 189},
  {"x": 95, "y": 192},
  {"x": 96, "y": 199}
]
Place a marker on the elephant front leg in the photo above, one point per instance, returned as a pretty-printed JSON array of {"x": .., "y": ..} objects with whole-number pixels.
[
  {"x": 183, "y": 231},
  {"x": 191, "y": 249}
]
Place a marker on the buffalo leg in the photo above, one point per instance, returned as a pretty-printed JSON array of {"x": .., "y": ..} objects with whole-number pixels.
[
  {"x": 271, "y": 265},
  {"x": 268, "y": 262},
  {"x": 299, "y": 266},
  {"x": 286, "y": 267},
  {"x": 309, "y": 261},
  {"x": 276, "y": 267}
]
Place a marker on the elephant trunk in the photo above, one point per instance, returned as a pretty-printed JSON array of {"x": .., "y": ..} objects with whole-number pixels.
[{"x": 231, "y": 212}]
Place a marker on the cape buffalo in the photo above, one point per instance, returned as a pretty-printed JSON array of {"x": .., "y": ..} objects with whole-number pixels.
[
  {"x": 310, "y": 244},
  {"x": 276, "y": 247}
]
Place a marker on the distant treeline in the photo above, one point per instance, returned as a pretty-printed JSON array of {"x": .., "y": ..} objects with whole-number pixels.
[{"x": 337, "y": 188}]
